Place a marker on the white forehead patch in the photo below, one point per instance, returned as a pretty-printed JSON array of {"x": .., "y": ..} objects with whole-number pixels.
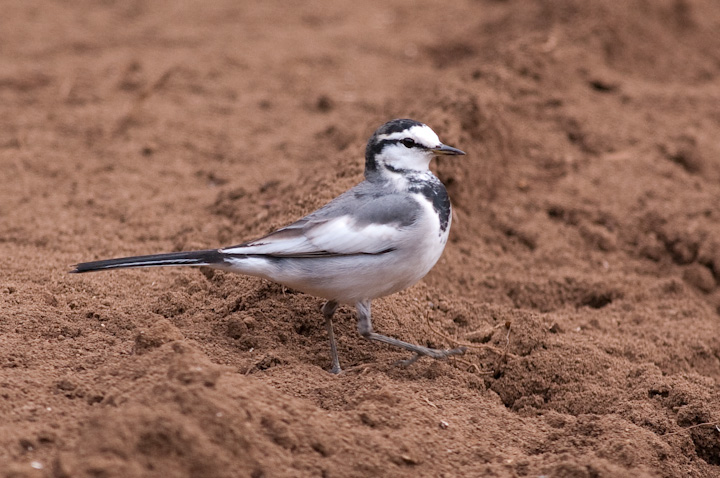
[{"x": 421, "y": 134}]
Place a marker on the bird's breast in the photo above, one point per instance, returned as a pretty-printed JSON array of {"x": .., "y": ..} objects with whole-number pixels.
[{"x": 434, "y": 193}]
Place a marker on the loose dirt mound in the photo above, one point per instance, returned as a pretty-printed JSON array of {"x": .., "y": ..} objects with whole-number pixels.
[{"x": 582, "y": 269}]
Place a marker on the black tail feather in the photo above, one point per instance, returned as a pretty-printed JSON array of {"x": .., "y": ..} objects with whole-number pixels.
[{"x": 191, "y": 258}]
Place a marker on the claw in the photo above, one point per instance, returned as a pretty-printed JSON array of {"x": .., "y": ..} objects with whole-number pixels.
[{"x": 407, "y": 362}]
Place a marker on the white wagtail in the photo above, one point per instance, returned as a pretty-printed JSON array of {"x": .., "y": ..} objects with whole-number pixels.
[{"x": 380, "y": 237}]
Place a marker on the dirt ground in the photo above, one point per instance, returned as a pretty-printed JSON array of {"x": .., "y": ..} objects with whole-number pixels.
[{"x": 582, "y": 269}]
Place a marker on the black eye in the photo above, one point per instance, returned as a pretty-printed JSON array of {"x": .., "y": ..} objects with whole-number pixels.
[{"x": 408, "y": 143}]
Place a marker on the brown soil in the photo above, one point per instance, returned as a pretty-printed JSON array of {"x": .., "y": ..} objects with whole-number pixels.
[{"x": 582, "y": 269}]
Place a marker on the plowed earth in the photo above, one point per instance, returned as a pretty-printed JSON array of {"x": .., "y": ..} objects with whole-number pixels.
[{"x": 582, "y": 268}]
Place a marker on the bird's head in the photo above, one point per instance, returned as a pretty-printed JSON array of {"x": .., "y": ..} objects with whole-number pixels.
[{"x": 403, "y": 146}]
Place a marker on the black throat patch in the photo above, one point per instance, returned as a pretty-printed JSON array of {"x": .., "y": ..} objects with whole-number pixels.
[{"x": 436, "y": 193}]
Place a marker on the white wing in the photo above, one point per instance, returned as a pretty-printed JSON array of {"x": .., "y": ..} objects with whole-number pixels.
[{"x": 348, "y": 225}]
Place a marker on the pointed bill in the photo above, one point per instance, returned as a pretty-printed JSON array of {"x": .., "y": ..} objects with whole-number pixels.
[{"x": 444, "y": 149}]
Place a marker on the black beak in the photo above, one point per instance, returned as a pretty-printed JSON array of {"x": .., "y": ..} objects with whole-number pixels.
[{"x": 446, "y": 150}]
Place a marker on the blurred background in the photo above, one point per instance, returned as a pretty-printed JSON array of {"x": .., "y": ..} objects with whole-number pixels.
[{"x": 582, "y": 268}]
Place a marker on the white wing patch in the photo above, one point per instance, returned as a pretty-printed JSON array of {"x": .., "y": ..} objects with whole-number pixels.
[
  {"x": 337, "y": 236},
  {"x": 343, "y": 236}
]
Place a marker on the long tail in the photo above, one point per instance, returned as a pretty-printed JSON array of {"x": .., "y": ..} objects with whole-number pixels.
[{"x": 192, "y": 258}]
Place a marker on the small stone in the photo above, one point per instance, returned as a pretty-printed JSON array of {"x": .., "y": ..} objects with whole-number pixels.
[{"x": 700, "y": 277}]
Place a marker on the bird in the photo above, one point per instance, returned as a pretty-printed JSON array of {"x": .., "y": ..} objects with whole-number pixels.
[{"x": 379, "y": 237}]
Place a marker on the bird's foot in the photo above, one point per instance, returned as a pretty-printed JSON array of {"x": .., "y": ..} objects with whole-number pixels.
[{"x": 433, "y": 353}]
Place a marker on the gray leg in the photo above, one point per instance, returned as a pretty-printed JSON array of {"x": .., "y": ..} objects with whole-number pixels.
[
  {"x": 328, "y": 310},
  {"x": 366, "y": 330}
]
